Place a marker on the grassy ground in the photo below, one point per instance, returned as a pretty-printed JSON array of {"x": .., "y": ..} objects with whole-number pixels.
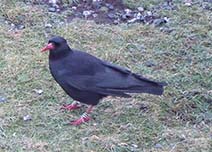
[{"x": 180, "y": 120}]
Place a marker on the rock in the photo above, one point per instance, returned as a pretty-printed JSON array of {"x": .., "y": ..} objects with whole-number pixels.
[
  {"x": 158, "y": 146},
  {"x": 74, "y": 7},
  {"x": 110, "y": 6},
  {"x": 138, "y": 15},
  {"x": 2, "y": 99},
  {"x": 112, "y": 16},
  {"x": 159, "y": 22},
  {"x": 94, "y": 15},
  {"x": 104, "y": 9},
  {"x": 48, "y": 25},
  {"x": 150, "y": 63},
  {"x": 140, "y": 9},
  {"x": 38, "y": 91},
  {"x": 135, "y": 146},
  {"x": 87, "y": 13},
  {"x": 53, "y": 2},
  {"x": 20, "y": 27},
  {"x": 124, "y": 17},
  {"x": 149, "y": 13},
  {"x": 13, "y": 25},
  {"x": 52, "y": 9},
  {"x": 188, "y": 3},
  {"x": 128, "y": 11},
  {"x": 27, "y": 118},
  {"x": 132, "y": 20},
  {"x": 115, "y": 22}
]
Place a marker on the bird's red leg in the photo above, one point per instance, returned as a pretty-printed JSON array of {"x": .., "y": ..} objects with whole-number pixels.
[
  {"x": 84, "y": 118},
  {"x": 72, "y": 106}
]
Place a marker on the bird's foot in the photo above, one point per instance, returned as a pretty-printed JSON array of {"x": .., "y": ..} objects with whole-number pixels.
[
  {"x": 84, "y": 118},
  {"x": 70, "y": 106}
]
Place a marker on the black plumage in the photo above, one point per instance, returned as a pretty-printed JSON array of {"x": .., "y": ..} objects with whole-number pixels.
[{"x": 88, "y": 79}]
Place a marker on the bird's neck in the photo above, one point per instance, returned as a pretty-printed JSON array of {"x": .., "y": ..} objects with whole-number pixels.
[{"x": 60, "y": 54}]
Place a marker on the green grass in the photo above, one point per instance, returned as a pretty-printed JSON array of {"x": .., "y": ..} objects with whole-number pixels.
[{"x": 180, "y": 120}]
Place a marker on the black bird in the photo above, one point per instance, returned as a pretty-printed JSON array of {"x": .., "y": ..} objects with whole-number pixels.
[{"x": 88, "y": 79}]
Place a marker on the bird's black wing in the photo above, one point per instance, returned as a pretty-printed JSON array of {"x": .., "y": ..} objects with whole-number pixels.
[{"x": 114, "y": 80}]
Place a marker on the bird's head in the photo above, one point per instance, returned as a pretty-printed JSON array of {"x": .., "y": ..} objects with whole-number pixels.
[{"x": 56, "y": 44}]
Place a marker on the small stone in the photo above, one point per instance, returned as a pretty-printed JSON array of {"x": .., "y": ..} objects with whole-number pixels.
[
  {"x": 135, "y": 146},
  {"x": 150, "y": 63},
  {"x": 104, "y": 9},
  {"x": 132, "y": 20},
  {"x": 20, "y": 27},
  {"x": 48, "y": 25},
  {"x": 52, "y": 9},
  {"x": 94, "y": 15},
  {"x": 149, "y": 13},
  {"x": 115, "y": 22},
  {"x": 27, "y": 118},
  {"x": 127, "y": 11},
  {"x": 188, "y": 3},
  {"x": 2, "y": 99},
  {"x": 158, "y": 146},
  {"x": 12, "y": 25},
  {"x": 110, "y": 6},
  {"x": 124, "y": 17},
  {"x": 159, "y": 22},
  {"x": 138, "y": 15},
  {"x": 112, "y": 16},
  {"x": 53, "y": 2},
  {"x": 87, "y": 13},
  {"x": 38, "y": 91},
  {"x": 74, "y": 7},
  {"x": 140, "y": 9}
]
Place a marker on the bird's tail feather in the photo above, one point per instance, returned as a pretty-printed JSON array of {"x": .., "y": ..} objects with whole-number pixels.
[{"x": 156, "y": 90}]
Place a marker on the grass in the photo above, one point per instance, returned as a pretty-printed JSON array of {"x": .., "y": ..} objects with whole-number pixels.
[{"x": 180, "y": 120}]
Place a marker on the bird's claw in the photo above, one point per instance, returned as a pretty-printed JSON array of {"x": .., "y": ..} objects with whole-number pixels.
[
  {"x": 70, "y": 107},
  {"x": 84, "y": 118}
]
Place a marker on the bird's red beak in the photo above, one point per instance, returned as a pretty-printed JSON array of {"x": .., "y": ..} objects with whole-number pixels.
[{"x": 49, "y": 46}]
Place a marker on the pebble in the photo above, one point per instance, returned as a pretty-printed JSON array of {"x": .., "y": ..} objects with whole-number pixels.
[
  {"x": 20, "y": 27},
  {"x": 104, "y": 9},
  {"x": 87, "y": 13},
  {"x": 115, "y": 22},
  {"x": 27, "y": 118},
  {"x": 112, "y": 16},
  {"x": 158, "y": 146},
  {"x": 38, "y": 91},
  {"x": 159, "y": 22},
  {"x": 74, "y": 7},
  {"x": 135, "y": 146},
  {"x": 52, "y": 9},
  {"x": 149, "y": 13},
  {"x": 132, "y": 20},
  {"x": 110, "y": 6},
  {"x": 94, "y": 15},
  {"x": 150, "y": 63},
  {"x": 140, "y": 9},
  {"x": 53, "y": 2},
  {"x": 2, "y": 99},
  {"x": 48, "y": 25}
]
